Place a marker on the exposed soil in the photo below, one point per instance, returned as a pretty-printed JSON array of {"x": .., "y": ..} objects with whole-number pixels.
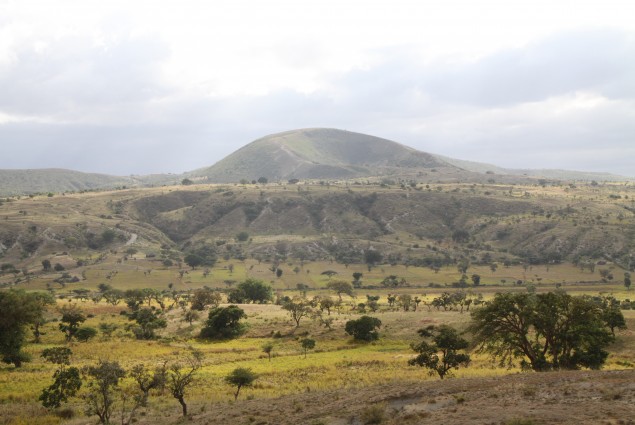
[{"x": 606, "y": 397}]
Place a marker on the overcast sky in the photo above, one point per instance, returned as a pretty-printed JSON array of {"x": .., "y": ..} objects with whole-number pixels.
[{"x": 137, "y": 87}]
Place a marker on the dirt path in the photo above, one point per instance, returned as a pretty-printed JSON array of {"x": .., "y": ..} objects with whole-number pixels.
[{"x": 133, "y": 239}]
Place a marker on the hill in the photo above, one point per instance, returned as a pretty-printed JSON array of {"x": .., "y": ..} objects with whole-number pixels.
[
  {"x": 480, "y": 167},
  {"x": 320, "y": 153},
  {"x": 25, "y": 182}
]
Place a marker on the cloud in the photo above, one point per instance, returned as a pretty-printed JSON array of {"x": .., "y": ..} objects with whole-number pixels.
[
  {"x": 600, "y": 61},
  {"x": 567, "y": 101}
]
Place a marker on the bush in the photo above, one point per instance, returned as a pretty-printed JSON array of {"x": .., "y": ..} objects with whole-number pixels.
[
  {"x": 374, "y": 414},
  {"x": 224, "y": 322},
  {"x": 85, "y": 333},
  {"x": 364, "y": 328}
]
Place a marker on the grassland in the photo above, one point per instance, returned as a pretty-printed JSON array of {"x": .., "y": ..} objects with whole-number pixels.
[{"x": 338, "y": 367}]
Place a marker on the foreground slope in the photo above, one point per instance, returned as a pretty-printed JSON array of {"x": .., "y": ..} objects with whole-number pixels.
[
  {"x": 589, "y": 397},
  {"x": 319, "y": 154}
]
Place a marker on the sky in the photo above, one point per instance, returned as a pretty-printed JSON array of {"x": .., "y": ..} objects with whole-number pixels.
[{"x": 140, "y": 87}]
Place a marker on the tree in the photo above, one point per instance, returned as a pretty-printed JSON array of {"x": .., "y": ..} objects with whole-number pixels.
[
  {"x": 307, "y": 344},
  {"x": 203, "y": 297},
  {"x": 405, "y": 300},
  {"x": 100, "y": 398},
  {"x": 72, "y": 318},
  {"x": 242, "y": 236},
  {"x": 372, "y": 257},
  {"x": 44, "y": 299},
  {"x": 545, "y": 331},
  {"x": 147, "y": 321},
  {"x": 86, "y": 333},
  {"x": 203, "y": 255},
  {"x": 627, "y": 280},
  {"x": 263, "y": 180},
  {"x": 442, "y": 354},
  {"x": 46, "y": 265},
  {"x": 147, "y": 381},
  {"x": 476, "y": 279},
  {"x": 251, "y": 290},
  {"x": 186, "y": 182},
  {"x": 67, "y": 381},
  {"x": 190, "y": 316},
  {"x": 393, "y": 281},
  {"x": 180, "y": 378},
  {"x": 340, "y": 287},
  {"x": 267, "y": 348},
  {"x": 364, "y": 328},
  {"x": 224, "y": 322},
  {"x": 326, "y": 303},
  {"x": 240, "y": 377},
  {"x": 297, "y": 307}
]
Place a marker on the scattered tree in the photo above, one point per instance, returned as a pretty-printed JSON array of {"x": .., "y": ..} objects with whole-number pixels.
[
  {"x": 364, "y": 328},
  {"x": 297, "y": 307},
  {"x": 240, "y": 377},
  {"x": 102, "y": 387},
  {"x": 67, "y": 381},
  {"x": 224, "y": 322},
  {"x": 307, "y": 344},
  {"x": 72, "y": 318},
  {"x": 267, "y": 348},
  {"x": 340, "y": 287},
  {"x": 546, "y": 331},
  {"x": 442, "y": 354},
  {"x": 180, "y": 377}
]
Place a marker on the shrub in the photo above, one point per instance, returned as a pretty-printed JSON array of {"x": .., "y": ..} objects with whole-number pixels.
[{"x": 364, "y": 328}]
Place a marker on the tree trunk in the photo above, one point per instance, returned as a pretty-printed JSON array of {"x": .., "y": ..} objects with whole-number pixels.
[
  {"x": 237, "y": 392},
  {"x": 182, "y": 401}
]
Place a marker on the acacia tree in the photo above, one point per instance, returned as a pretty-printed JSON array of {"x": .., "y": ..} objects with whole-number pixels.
[
  {"x": 100, "y": 399},
  {"x": 240, "y": 377},
  {"x": 267, "y": 348},
  {"x": 442, "y": 354},
  {"x": 298, "y": 307},
  {"x": 545, "y": 331},
  {"x": 180, "y": 377},
  {"x": 340, "y": 287},
  {"x": 72, "y": 318},
  {"x": 307, "y": 344}
]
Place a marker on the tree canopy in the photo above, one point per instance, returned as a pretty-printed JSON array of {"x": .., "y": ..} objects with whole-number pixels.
[
  {"x": 19, "y": 309},
  {"x": 364, "y": 328},
  {"x": 545, "y": 331},
  {"x": 224, "y": 322},
  {"x": 251, "y": 290},
  {"x": 441, "y": 355}
]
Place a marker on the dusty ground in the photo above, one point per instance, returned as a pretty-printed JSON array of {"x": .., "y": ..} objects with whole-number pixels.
[{"x": 606, "y": 397}]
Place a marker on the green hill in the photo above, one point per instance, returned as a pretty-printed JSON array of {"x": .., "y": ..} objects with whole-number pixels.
[{"x": 319, "y": 154}]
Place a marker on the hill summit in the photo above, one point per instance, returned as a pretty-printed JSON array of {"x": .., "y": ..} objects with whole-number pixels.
[{"x": 319, "y": 153}]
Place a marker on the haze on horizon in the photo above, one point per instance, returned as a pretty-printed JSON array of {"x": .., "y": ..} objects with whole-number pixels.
[{"x": 164, "y": 86}]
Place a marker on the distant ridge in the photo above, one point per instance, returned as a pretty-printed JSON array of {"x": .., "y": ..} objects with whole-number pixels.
[
  {"x": 25, "y": 182},
  {"x": 319, "y": 153},
  {"x": 480, "y": 167},
  {"x": 312, "y": 153}
]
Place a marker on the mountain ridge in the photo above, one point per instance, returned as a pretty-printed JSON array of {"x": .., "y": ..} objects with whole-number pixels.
[{"x": 310, "y": 153}]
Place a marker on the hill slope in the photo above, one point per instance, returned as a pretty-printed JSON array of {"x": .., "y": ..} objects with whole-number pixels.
[
  {"x": 20, "y": 182},
  {"x": 319, "y": 154},
  {"x": 480, "y": 167}
]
